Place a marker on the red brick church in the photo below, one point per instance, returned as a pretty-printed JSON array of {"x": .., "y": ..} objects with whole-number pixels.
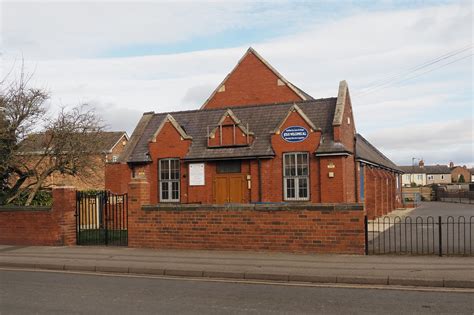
[{"x": 258, "y": 139}]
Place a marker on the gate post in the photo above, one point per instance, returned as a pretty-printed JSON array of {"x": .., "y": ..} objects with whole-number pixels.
[
  {"x": 64, "y": 210},
  {"x": 366, "y": 234},
  {"x": 104, "y": 196},
  {"x": 440, "y": 233}
]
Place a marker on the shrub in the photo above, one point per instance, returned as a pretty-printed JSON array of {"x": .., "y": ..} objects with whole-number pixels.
[{"x": 42, "y": 198}]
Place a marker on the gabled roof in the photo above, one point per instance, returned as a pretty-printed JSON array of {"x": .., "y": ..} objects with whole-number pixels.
[
  {"x": 366, "y": 152},
  {"x": 175, "y": 124},
  {"x": 261, "y": 119},
  {"x": 237, "y": 121},
  {"x": 35, "y": 143},
  {"x": 295, "y": 109},
  {"x": 303, "y": 95},
  {"x": 427, "y": 169}
]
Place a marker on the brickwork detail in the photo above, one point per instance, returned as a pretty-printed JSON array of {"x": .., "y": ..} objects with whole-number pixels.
[
  {"x": 340, "y": 231},
  {"x": 53, "y": 227},
  {"x": 251, "y": 82},
  {"x": 117, "y": 177}
]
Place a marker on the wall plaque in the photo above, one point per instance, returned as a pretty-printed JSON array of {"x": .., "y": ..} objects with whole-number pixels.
[{"x": 294, "y": 134}]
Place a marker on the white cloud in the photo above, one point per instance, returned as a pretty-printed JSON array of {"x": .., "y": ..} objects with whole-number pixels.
[
  {"x": 55, "y": 29},
  {"x": 361, "y": 48},
  {"x": 438, "y": 142}
]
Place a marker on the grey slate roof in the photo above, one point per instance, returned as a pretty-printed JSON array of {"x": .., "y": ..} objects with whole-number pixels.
[
  {"x": 427, "y": 169},
  {"x": 135, "y": 137},
  {"x": 367, "y": 152},
  {"x": 261, "y": 119},
  {"x": 329, "y": 147}
]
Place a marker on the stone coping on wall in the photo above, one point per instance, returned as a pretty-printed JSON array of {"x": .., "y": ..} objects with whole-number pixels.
[
  {"x": 24, "y": 208},
  {"x": 256, "y": 207}
]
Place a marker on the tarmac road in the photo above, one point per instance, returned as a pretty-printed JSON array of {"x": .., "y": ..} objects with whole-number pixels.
[
  {"x": 443, "y": 209},
  {"x": 26, "y": 292}
]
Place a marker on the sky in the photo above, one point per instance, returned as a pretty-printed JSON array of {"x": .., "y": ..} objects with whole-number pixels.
[{"x": 409, "y": 64}]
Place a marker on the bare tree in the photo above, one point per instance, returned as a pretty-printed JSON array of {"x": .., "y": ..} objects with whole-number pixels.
[{"x": 35, "y": 146}]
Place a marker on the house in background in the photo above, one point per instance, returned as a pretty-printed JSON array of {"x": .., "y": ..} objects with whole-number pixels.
[
  {"x": 258, "y": 138},
  {"x": 422, "y": 174},
  {"x": 111, "y": 145},
  {"x": 471, "y": 170},
  {"x": 460, "y": 174}
]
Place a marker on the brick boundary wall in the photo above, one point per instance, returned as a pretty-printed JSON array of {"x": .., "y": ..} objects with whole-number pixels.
[
  {"x": 310, "y": 228},
  {"x": 51, "y": 226}
]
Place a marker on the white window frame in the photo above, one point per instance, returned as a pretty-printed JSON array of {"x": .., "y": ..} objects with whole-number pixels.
[
  {"x": 169, "y": 181},
  {"x": 296, "y": 177}
]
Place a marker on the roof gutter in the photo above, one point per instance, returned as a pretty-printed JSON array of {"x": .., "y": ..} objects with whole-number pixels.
[{"x": 345, "y": 153}]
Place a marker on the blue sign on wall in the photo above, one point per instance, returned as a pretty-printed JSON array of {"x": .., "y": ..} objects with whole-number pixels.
[{"x": 294, "y": 134}]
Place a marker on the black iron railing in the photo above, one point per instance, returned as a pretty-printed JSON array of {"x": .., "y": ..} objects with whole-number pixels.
[
  {"x": 420, "y": 235},
  {"x": 461, "y": 196}
]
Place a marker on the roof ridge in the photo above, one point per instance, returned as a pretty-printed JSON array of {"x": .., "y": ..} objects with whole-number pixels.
[
  {"x": 301, "y": 94},
  {"x": 244, "y": 106}
]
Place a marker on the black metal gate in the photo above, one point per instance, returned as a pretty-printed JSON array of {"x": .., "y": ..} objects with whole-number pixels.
[
  {"x": 101, "y": 218},
  {"x": 420, "y": 235}
]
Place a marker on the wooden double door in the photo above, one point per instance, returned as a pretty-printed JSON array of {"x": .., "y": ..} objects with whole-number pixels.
[{"x": 229, "y": 188}]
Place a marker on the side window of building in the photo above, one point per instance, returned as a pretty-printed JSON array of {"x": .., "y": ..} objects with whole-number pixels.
[
  {"x": 430, "y": 177},
  {"x": 169, "y": 180},
  {"x": 362, "y": 176},
  {"x": 420, "y": 177},
  {"x": 296, "y": 176}
]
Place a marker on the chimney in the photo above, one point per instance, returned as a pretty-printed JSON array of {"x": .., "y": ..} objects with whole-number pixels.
[
  {"x": 451, "y": 164},
  {"x": 421, "y": 163}
]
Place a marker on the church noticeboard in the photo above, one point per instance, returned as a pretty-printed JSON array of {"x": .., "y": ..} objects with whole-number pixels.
[{"x": 196, "y": 174}]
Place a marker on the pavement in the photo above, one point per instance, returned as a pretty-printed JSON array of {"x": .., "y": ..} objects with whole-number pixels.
[{"x": 425, "y": 271}]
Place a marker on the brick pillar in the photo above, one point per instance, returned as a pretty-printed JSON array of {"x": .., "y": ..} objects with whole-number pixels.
[
  {"x": 138, "y": 195},
  {"x": 383, "y": 186},
  {"x": 390, "y": 192},
  {"x": 64, "y": 209},
  {"x": 378, "y": 204}
]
